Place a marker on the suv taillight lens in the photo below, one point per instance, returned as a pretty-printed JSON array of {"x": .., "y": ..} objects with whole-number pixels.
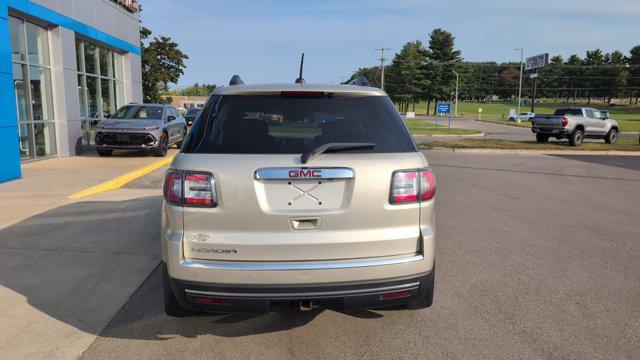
[
  {"x": 173, "y": 187},
  {"x": 188, "y": 188},
  {"x": 427, "y": 184},
  {"x": 412, "y": 186},
  {"x": 565, "y": 121}
]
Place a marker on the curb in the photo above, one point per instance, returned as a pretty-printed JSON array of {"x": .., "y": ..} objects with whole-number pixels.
[
  {"x": 540, "y": 152},
  {"x": 121, "y": 180},
  {"x": 453, "y": 135}
]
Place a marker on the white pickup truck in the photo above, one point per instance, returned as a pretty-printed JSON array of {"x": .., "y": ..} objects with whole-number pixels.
[{"x": 575, "y": 124}]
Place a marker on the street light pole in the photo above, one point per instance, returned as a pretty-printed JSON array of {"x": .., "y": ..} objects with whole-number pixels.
[
  {"x": 456, "y": 109},
  {"x": 382, "y": 59},
  {"x": 520, "y": 86}
]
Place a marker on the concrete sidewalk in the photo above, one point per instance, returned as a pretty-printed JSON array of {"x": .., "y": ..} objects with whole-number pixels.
[
  {"x": 67, "y": 266},
  {"x": 46, "y": 184},
  {"x": 65, "y": 272}
]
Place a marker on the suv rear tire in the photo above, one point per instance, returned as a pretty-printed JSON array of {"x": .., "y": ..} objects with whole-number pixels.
[
  {"x": 104, "y": 152},
  {"x": 541, "y": 138},
  {"x": 171, "y": 305},
  {"x": 576, "y": 138},
  {"x": 611, "y": 137},
  {"x": 163, "y": 144}
]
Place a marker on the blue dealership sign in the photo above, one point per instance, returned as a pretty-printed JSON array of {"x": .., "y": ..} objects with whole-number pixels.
[{"x": 444, "y": 108}]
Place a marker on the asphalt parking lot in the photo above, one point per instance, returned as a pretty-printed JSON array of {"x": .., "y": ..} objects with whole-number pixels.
[{"x": 537, "y": 258}]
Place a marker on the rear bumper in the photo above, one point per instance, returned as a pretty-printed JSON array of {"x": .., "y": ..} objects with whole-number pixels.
[
  {"x": 264, "y": 298},
  {"x": 550, "y": 131}
]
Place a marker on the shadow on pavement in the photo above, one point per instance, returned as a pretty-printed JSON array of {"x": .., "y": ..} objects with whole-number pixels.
[
  {"x": 77, "y": 264},
  {"x": 143, "y": 318},
  {"x": 625, "y": 162},
  {"x": 119, "y": 153},
  {"x": 80, "y": 263}
]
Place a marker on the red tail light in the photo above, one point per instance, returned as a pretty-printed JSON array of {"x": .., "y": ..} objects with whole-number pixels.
[
  {"x": 412, "y": 185},
  {"x": 565, "y": 121},
  {"x": 190, "y": 189},
  {"x": 427, "y": 184},
  {"x": 173, "y": 187}
]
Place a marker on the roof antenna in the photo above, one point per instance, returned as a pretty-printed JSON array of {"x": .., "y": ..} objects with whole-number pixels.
[{"x": 300, "y": 80}]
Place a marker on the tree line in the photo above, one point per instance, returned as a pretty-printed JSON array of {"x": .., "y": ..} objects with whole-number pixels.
[{"x": 428, "y": 74}]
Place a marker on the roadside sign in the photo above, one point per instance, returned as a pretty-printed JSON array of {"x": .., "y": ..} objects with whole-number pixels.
[
  {"x": 534, "y": 75},
  {"x": 444, "y": 108},
  {"x": 479, "y": 110},
  {"x": 537, "y": 61}
]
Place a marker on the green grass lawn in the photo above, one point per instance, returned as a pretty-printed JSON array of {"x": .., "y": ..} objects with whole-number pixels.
[
  {"x": 628, "y": 116},
  {"x": 623, "y": 144},
  {"x": 420, "y": 127}
]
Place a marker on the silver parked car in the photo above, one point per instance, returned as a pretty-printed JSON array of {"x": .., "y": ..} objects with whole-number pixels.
[
  {"x": 152, "y": 127},
  {"x": 298, "y": 195},
  {"x": 575, "y": 124}
]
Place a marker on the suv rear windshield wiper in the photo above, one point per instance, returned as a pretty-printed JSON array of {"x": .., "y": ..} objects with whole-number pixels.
[{"x": 334, "y": 147}]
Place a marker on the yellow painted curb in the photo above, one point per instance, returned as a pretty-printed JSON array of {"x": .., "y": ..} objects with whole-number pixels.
[{"x": 118, "y": 182}]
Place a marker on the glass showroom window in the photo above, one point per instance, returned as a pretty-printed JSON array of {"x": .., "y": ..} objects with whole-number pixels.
[
  {"x": 100, "y": 85},
  {"x": 32, "y": 86}
]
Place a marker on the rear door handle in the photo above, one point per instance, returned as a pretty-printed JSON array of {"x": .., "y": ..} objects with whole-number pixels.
[{"x": 311, "y": 223}]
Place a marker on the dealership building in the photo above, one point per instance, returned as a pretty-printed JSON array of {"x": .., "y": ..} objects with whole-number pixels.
[{"x": 64, "y": 66}]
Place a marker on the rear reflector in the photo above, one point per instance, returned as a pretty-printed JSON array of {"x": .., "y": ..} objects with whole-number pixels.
[
  {"x": 205, "y": 300},
  {"x": 394, "y": 295}
]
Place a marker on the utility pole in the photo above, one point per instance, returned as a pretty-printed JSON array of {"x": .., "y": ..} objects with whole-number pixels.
[
  {"x": 382, "y": 59},
  {"x": 456, "y": 109},
  {"x": 520, "y": 87}
]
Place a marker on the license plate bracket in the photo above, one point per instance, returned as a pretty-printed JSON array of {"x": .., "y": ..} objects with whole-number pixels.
[{"x": 122, "y": 137}]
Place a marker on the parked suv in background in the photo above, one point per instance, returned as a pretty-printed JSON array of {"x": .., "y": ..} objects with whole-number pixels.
[
  {"x": 575, "y": 124},
  {"x": 298, "y": 195},
  {"x": 525, "y": 116},
  {"x": 191, "y": 115},
  {"x": 152, "y": 127}
]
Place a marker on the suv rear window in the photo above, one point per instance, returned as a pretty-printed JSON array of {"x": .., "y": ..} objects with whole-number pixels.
[
  {"x": 569, "y": 111},
  {"x": 271, "y": 124}
]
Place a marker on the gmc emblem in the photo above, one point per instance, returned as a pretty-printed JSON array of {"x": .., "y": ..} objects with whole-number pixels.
[{"x": 305, "y": 173}]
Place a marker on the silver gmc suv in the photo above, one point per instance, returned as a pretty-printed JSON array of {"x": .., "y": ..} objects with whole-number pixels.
[{"x": 298, "y": 195}]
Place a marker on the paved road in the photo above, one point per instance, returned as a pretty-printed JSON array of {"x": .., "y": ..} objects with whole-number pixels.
[{"x": 537, "y": 258}]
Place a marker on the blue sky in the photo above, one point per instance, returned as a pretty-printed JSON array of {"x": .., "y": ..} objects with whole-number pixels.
[{"x": 262, "y": 40}]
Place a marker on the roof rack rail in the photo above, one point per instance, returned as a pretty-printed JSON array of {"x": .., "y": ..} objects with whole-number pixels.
[
  {"x": 236, "y": 80},
  {"x": 360, "y": 81}
]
